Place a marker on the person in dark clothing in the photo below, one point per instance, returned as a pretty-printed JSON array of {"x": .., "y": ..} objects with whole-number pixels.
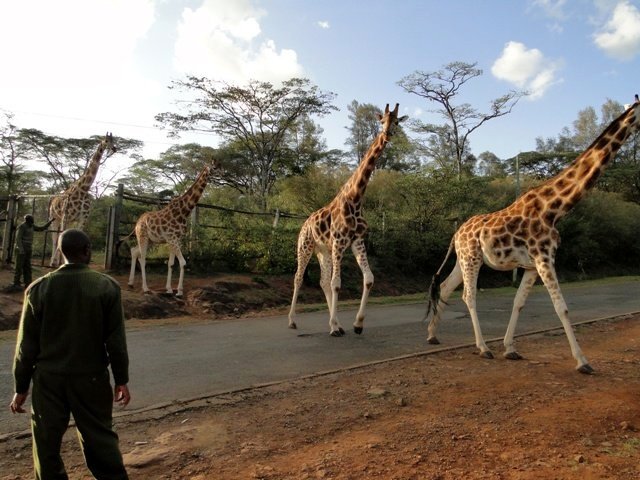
[
  {"x": 71, "y": 330},
  {"x": 24, "y": 249}
]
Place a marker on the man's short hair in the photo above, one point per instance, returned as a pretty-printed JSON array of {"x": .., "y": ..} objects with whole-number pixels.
[
  {"x": 28, "y": 218},
  {"x": 73, "y": 242}
]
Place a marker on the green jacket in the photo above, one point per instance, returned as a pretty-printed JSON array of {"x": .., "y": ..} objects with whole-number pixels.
[
  {"x": 24, "y": 235},
  {"x": 72, "y": 323}
]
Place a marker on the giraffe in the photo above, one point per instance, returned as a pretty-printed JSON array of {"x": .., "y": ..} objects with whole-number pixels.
[
  {"x": 72, "y": 206},
  {"x": 524, "y": 235},
  {"x": 168, "y": 225},
  {"x": 331, "y": 230}
]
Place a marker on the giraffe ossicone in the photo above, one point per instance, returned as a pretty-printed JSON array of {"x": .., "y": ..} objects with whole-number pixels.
[
  {"x": 329, "y": 231},
  {"x": 524, "y": 235},
  {"x": 71, "y": 208},
  {"x": 168, "y": 226}
]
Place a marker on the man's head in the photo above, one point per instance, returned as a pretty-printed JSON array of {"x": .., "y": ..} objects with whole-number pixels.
[
  {"x": 28, "y": 219},
  {"x": 75, "y": 246}
]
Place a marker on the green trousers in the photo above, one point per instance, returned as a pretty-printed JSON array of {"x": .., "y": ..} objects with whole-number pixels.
[
  {"x": 90, "y": 400},
  {"x": 23, "y": 268}
]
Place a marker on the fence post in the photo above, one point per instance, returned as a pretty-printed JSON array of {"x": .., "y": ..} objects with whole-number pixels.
[
  {"x": 276, "y": 218},
  {"x": 8, "y": 230},
  {"x": 113, "y": 230}
]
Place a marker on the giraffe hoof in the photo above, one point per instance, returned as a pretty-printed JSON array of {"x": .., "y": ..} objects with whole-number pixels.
[
  {"x": 433, "y": 341},
  {"x": 337, "y": 333},
  {"x": 487, "y": 355},
  {"x": 293, "y": 325},
  {"x": 586, "y": 369},
  {"x": 358, "y": 330},
  {"x": 513, "y": 356}
]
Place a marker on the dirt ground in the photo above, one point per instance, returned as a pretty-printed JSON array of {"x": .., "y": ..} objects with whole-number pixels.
[{"x": 448, "y": 415}]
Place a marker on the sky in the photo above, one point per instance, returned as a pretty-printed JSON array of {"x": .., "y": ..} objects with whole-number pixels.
[{"x": 76, "y": 68}]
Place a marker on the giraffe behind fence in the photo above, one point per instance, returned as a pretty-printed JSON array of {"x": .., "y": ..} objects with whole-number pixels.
[
  {"x": 71, "y": 208},
  {"x": 168, "y": 225}
]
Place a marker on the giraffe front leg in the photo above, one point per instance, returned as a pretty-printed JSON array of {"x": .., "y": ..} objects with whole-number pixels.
[
  {"x": 446, "y": 289},
  {"x": 181, "y": 262},
  {"x": 360, "y": 252},
  {"x": 548, "y": 274},
  {"x": 170, "y": 262},
  {"x": 335, "y": 328},
  {"x": 528, "y": 279}
]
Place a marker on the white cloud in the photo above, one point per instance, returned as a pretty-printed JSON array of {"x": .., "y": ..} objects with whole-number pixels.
[
  {"x": 527, "y": 69},
  {"x": 620, "y": 37},
  {"x": 74, "y": 57},
  {"x": 222, "y": 40},
  {"x": 324, "y": 24},
  {"x": 552, "y": 8}
]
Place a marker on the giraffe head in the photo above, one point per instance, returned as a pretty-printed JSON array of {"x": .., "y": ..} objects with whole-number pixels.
[
  {"x": 213, "y": 169},
  {"x": 109, "y": 145},
  {"x": 390, "y": 120},
  {"x": 635, "y": 107}
]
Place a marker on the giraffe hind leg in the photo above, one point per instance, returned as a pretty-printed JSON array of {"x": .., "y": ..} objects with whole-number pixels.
[
  {"x": 446, "y": 289},
  {"x": 305, "y": 250}
]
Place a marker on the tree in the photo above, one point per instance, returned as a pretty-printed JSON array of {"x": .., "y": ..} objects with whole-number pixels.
[
  {"x": 14, "y": 178},
  {"x": 442, "y": 87},
  {"x": 365, "y": 127},
  {"x": 67, "y": 158},
  {"x": 305, "y": 145},
  {"x": 489, "y": 165},
  {"x": 255, "y": 120},
  {"x": 170, "y": 174}
]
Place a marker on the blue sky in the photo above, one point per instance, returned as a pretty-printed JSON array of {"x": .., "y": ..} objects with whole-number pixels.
[{"x": 83, "y": 67}]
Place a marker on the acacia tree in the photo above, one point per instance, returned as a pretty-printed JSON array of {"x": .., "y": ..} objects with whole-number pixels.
[
  {"x": 67, "y": 158},
  {"x": 254, "y": 119},
  {"x": 14, "y": 177},
  {"x": 461, "y": 120},
  {"x": 170, "y": 174}
]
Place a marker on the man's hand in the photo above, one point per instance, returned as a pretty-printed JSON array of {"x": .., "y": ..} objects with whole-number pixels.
[
  {"x": 17, "y": 402},
  {"x": 121, "y": 395}
]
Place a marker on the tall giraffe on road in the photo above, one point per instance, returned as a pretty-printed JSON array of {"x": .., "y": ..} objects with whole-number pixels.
[
  {"x": 331, "y": 230},
  {"x": 524, "y": 235}
]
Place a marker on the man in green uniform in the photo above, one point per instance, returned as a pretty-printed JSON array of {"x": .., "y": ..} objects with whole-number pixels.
[
  {"x": 24, "y": 249},
  {"x": 71, "y": 329}
]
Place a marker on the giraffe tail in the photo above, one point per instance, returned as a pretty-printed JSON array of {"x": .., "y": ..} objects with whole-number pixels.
[
  {"x": 121, "y": 241},
  {"x": 434, "y": 288}
]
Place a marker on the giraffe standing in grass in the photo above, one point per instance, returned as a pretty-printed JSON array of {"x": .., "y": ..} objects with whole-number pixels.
[
  {"x": 71, "y": 208},
  {"x": 331, "y": 230},
  {"x": 524, "y": 235},
  {"x": 168, "y": 225}
]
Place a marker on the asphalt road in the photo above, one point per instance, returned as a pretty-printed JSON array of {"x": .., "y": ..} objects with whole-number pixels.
[{"x": 180, "y": 362}]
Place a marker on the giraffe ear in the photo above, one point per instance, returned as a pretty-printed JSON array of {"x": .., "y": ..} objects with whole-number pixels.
[{"x": 403, "y": 118}]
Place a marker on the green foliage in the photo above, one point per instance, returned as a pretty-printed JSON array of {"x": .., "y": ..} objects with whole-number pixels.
[{"x": 600, "y": 236}]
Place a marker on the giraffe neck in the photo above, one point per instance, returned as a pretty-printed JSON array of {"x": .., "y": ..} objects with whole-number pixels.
[
  {"x": 189, "y": 199},
  {"x": 86, "y": 179},
  {"x": 563, "y": 191},
  {"x": 357, "y": 184}
]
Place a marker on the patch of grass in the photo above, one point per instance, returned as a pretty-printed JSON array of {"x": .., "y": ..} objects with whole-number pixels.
[{"x": 629, "y": 448}]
